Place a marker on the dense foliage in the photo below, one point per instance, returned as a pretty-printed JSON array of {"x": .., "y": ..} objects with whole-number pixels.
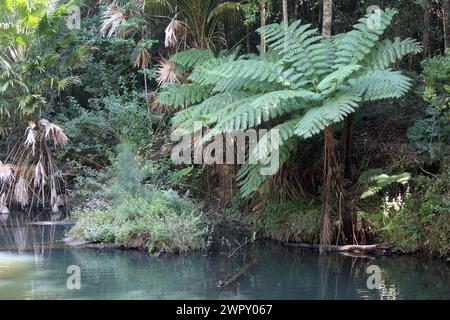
[{"x": 86, "y": 117}]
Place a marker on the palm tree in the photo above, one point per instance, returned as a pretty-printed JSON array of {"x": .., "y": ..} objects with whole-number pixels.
[
  {"x": 37, "y": 63},
  {"x": 193, "y": 23},
  {"x": 37, "y": 58}
]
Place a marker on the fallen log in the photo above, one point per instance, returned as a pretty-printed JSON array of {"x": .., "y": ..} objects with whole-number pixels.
[
  {"x": 348, "y": 248},
  {"x": 52, "y": 223},
  {"x": 234, "y": 277}
]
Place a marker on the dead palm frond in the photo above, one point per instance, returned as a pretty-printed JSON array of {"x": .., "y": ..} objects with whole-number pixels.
[
  {"x": 113, "y": 17},
  {"x": 21, "y": 192},
  {"x": 143, "y": 59},
  {"x": 172, "y": 31},
  {"x": 30, "y": 141},
  {"x": 54, "y": 132},
  {"x": 167, "y": 73},
  {"x": 33, "y": 177},
  {"x": 6, "y": 172}
]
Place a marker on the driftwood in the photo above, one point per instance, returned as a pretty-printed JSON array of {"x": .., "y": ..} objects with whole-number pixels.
[
  {"x": 234, "y": 277},
  {"x": 52, "y": 223},
  {"x": 348, "y": 248}
]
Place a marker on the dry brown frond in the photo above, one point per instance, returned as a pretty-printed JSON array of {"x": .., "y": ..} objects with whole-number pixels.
[
  {"x": 173, "y": 28},
  {"x": 6, "y": 172},
  {"x": 113, "y": 17},
  {"x": 30, "y": 141},
  {"x": 54, "y": 132},
  {"x": 167, "y": 73},
  {"x": 58, "y": 202},
  {"x": 142, "y": 59},
  {"x": 21, "y": 192},
  {"x": 39, "y": 175}
]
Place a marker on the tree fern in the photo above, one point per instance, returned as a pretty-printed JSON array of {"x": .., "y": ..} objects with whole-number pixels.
[{"x": 300, "y": 86}]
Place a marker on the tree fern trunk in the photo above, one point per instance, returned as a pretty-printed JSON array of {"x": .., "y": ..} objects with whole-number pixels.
[
  {"x": 263, "y": 23},
  {"x": 347, "y": 148},
  {"x": 325, "y": 233},
  {"x": 325, "y": 230}
]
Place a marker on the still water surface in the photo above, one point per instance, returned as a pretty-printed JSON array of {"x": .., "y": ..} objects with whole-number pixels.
[{"x": 33, "y": 265}]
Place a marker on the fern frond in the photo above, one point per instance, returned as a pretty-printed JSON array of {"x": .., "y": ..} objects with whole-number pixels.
[
  {"x": 330, "y": 82},
  {"x": 185, "y": 94},
  {"x": 211, "y": 105},
  {"x": 249, "y": 176},
  {"x": 381, "y": 84},
  {"x": 389, "y": 52},
  {"x": 267, "y": 144},
  {"x": 189, "y": 58},
  {"x": 302, "y": 47},
  {"x": 332, "y": 111},
  {"x": 358, "y": 43},
  {"x": 266, "y": 107}
]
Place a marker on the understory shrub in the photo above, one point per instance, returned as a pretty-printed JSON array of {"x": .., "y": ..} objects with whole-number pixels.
[
  {"x": 159, "y": 221},
  {"x": 295, "y": 220},
  {"x": 136, "y": 215},
  {"x": 419, "y": 221}
]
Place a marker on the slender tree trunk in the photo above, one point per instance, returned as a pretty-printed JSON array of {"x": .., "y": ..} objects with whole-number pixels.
[
  {"x": 263, "y": 23},
  {"x": 247, "y": 39},
  {"x": 426, "y": 29},
  {"x": 347, "y": 148},
  {"x": 285, "y": 11},
  {"x": 446, "y": 15},
  {"x": 325, "y": 232}
]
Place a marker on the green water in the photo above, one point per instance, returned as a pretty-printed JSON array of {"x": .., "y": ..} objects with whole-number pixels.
[{"x": 33, "y": 265}]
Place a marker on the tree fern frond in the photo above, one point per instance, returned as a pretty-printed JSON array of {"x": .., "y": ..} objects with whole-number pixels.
[
  {"x": 267, "y": 144},
  {"x": 332, "y": 111},
  {"x": 301, "y": 46},
  {"x": 189, "y": 58},
  {"x": 358, "y": 43},
  {"x": 389, "y": 52},
  {"x": 381, "y": 84},
  {"x": 266, "y": 107},
  {"x": 337, "y": 77},
  {"x": 185, "y": 94},
  {"x": 211, "y": 105},
  {"x": 249, "y": 176}
]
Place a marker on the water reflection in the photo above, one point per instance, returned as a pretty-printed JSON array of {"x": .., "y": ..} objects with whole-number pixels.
[{"x": 33, "y": 264}]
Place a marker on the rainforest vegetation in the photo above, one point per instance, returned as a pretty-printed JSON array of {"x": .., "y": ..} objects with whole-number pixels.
[{"x": 352, "y": 97}]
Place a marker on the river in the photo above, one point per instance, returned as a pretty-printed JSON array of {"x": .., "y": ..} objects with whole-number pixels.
[{"x": 34, "y": 264}]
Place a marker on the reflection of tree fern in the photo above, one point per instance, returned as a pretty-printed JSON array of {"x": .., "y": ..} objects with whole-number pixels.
[{"x": 301, "y": 85}]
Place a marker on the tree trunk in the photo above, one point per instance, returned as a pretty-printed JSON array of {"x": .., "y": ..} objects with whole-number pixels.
[
  {"x": 327, "y": 18},
  {"x": 347, "y": 148},
  {"x": 426, "y": 29},
  {"x": 247, "y": 40},
  {"x": 285, "y": 11},
  {"x": 446, "y": 15},
  {"x": 325, "y": 232},
  {"x": 263, "y": 23}
]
